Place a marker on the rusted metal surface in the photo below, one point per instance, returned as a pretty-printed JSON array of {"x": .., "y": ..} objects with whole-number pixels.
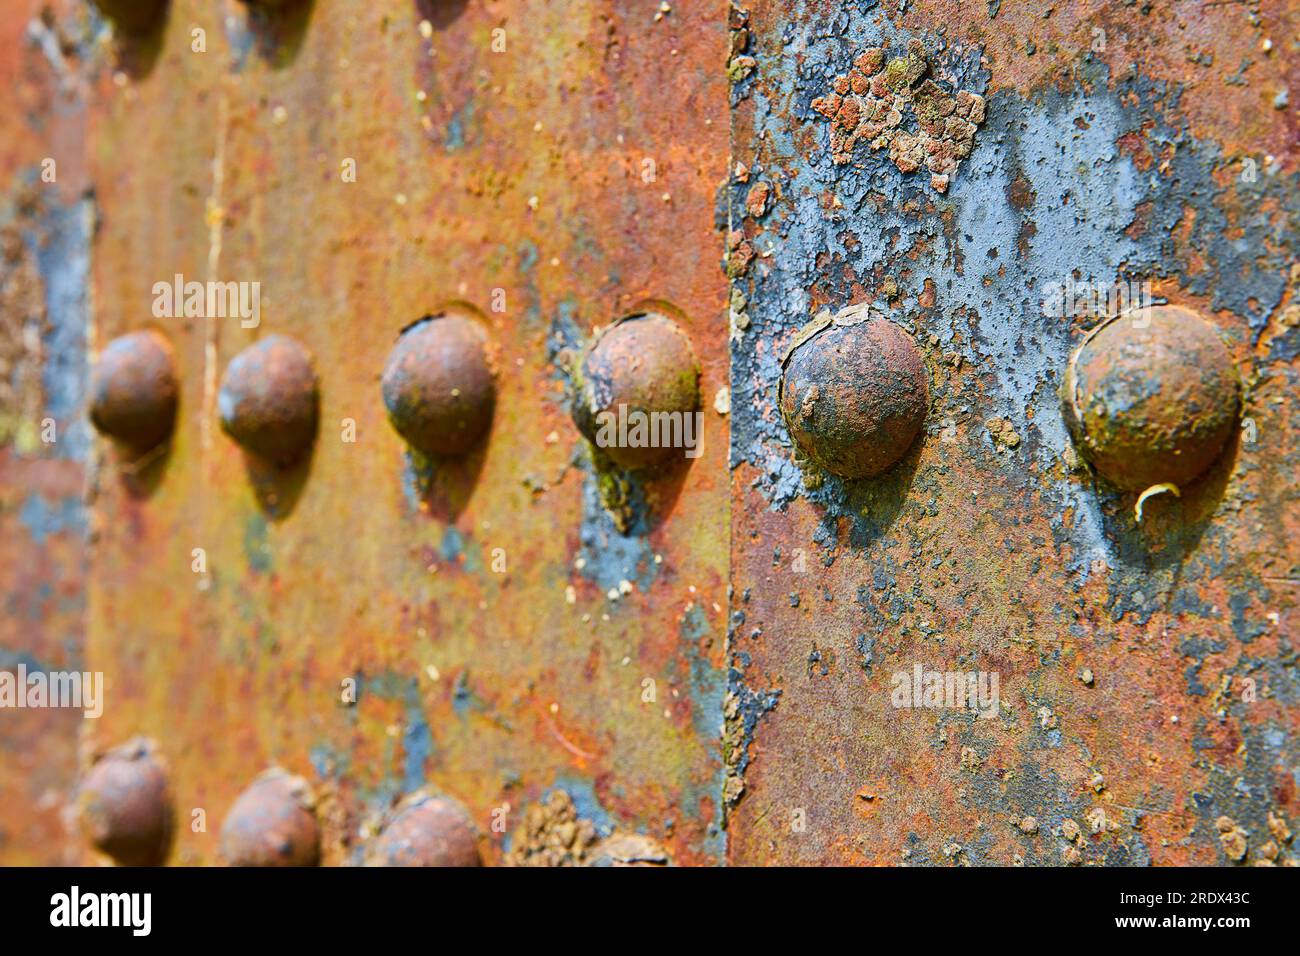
[
  {"x": 1147, "y": 705},
  {"x": 44, "y": 241},
  {"x": 627, "y": 659},
  {"x": 371, "y": 620}
]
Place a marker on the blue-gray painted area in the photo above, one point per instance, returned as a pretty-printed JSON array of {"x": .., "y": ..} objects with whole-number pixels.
[
  {"x": 609, "y": 556},
  {"x": 455, "y": 548},
  {"x": 707, "y": 688},
  {"x": 707, "y": 684},
  {"x": 12, "y": 660},
  {"x": 417, "y": 745},
  {"x": 44, "y": 518},
  {"x": 455, "y": 137},
  {"x": 257, "y": 545},
  {"x": 1049, "y": 195},
  {"x": 58, "y": 239},
  {"x": 585, "y": 801},
  {"x": 464, "y": 700}
]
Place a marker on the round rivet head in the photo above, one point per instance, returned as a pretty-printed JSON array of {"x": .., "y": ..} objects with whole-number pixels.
[
  {"x": 133, "y": 16},
  {"x": 269, "y": 400},
  {"x": 133, "y": 391},
  {"x": 273, "y": 823},
  {"x": 438, "y": 385},
  {"x": 854, "y": 392},
  {"x": 639, "y": 367},
  {"x": 426, "y": 830},
  {"x": 1152, "y": 397},
  {"x": 125, "y": 805}
]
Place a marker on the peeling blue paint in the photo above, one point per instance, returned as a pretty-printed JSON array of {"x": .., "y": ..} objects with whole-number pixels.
[{"x": 60, "y": 244}]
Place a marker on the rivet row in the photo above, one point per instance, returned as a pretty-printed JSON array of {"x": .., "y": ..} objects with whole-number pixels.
[
  {"x": 438, "y": 387},
  {"x": 853, "y": 392}
]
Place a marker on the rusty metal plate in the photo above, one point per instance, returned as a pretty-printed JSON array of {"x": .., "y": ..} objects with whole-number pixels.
[
  {"x": 955, "y": 168},
  {"x": 989, "y": 312},
  {"x": 505, "y": 630},
  {"x": 45, "y": 440}
]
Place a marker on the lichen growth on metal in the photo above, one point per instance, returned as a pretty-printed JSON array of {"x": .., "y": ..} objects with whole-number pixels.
[
  {"x": 552, "y": 834},
  {"x": 881, "y": 97}
]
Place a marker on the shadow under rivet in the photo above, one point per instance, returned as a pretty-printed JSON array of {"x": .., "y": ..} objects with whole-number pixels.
[{"x": 133, "y": 16}]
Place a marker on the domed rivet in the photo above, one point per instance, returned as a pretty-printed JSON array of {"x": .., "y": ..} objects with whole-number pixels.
[
  {"x": 273, "y": 823},
  {"x": 125, "y": 805},
  {"x": 438, "y": 385},
  {"x": 627, "y": 849},
  {"x": 133, "y": 16},
  {"x": 1152, "y": 397},
  {"x": 854, "y": 392},
  {"x": 133, "y": 391},
  {"x": 269, "y": 400},
  {"x": 426, "y": 830},
  {"x": 640, "y": 367}
]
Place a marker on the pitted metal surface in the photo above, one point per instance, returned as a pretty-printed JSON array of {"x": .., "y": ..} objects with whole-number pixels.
[
  {"x": 1005, "y": 572},
  {"x": 1146, "y": 682}
]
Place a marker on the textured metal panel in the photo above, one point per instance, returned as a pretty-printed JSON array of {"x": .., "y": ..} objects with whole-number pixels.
[
  {"x": 44, "y": 439},
  {"x": 1127, "y": 652},
  {"x": 508, "y": 181},
  {"x": 702, "y": 661}
]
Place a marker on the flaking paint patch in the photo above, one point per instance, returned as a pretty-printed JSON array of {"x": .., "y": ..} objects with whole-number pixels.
[
  {"x": 609, "y": 555},
  {"x": 894, "y": 103},
  {"x": 743, "y": 708},
  {"x": 61, "y": 246}
]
